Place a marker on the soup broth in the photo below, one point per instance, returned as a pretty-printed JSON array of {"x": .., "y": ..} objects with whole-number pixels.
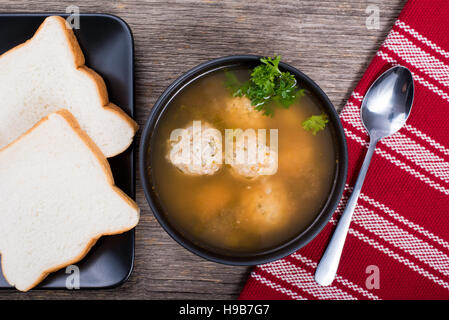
[{"x": 224, "y": 210}]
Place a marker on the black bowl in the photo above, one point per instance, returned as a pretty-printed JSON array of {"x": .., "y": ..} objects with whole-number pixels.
[{"x": 304, "y": 236}]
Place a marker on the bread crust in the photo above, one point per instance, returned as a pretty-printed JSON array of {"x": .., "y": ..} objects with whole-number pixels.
[
  {"x": 73, "y": 123},
  {"x": 79, "y": 64}
]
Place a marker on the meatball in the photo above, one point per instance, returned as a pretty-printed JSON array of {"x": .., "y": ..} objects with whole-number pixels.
[
  {"x": 196, "y": 150},
  {"x": 239, "y": 113},
  {"x": 296, "y": 160},
  {"x": 297, "y": 153},
  {"x": 252, "y": 159},
  {"x": 264, "y": 208}
]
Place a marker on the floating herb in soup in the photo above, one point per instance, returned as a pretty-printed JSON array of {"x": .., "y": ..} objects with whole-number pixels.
[
  {"x": 267, "y": 87},
  {"x": 243, "y": 204}
]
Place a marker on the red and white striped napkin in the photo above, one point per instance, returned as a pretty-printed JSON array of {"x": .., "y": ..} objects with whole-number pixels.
[{"x": 398, "y": 243}]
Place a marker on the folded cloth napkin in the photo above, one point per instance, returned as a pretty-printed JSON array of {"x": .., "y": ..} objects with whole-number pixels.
[{"x": 398, "y": 243}]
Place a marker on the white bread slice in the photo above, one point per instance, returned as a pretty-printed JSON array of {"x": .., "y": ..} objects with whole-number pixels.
[
  {"x": 46, "y": 73},
  {"x": 57, "y": 197}
]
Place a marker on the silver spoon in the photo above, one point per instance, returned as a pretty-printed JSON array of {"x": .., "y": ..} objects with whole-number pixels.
[{"x": 384, "y": 111}]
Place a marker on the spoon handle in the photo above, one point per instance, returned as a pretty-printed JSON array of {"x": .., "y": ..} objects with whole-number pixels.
[{"x": 327, "y": 268}]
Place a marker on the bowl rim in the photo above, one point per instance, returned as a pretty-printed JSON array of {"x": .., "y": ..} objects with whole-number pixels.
[{"x": 306, "y": 235}]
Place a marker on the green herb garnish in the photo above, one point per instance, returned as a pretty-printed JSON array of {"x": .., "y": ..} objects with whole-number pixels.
[
  {"x": 315, "y": 123},
  {"x": 268, "y": 86}
]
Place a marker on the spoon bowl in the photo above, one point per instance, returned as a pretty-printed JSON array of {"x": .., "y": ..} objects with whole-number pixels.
[{"x": 388, "y": 102}]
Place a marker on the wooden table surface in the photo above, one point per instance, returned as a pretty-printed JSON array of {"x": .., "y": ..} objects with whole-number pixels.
[{"x": 328, "y": 40}]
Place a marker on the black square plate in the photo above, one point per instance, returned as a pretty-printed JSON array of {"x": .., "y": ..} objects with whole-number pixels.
[{"x": 107, "y": 44}]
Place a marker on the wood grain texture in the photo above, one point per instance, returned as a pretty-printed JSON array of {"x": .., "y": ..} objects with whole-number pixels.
[{"x": 328, "y": 40}]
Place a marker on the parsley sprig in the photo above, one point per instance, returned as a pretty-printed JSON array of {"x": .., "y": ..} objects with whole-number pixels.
[
  {"x": 315, "y": 123},
  {"x": 268, "y": 87}
]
